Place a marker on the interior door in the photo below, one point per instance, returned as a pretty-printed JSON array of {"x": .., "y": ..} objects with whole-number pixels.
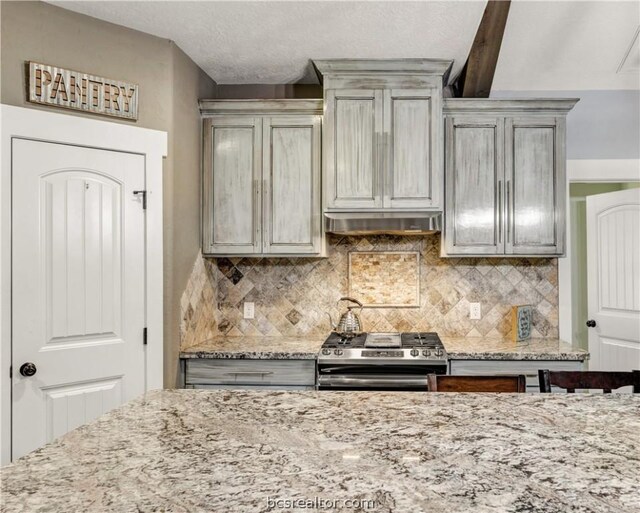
[
  {"x": 474, "y": 220},
  {"x": 613, "y": 280},
  {"x": 78, "y": 287},
  {"x": 232, "y": 185},
  {"x": 412, "y": 147},
  {"x": 291, "y": 190},
  {"x": 535, "y": 185},
  {"x": 353, "y": 145}
]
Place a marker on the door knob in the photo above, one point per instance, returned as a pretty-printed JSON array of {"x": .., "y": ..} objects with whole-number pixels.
[
  {"x": 591, "y": 323},
  {"x": 28, "y": 369}
]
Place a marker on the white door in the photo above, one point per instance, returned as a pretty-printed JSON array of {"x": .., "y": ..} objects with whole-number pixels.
[
  {"x": 613, "y": 270},
  {"x": 78, "y": 290}
]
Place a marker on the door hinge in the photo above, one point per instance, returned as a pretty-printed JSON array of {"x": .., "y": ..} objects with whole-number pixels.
[
  {"x": 144, "y": 198},
  {"x": 144, "y": 336},
  {"x": 10, "y": 371}
]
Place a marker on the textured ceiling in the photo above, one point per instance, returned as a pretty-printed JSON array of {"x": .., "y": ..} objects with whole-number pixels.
[{"x": 547, "y": 45}]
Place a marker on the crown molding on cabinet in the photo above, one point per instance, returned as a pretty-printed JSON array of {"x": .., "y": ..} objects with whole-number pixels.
[
  {"x": 261, "y": 107},
  {"x": 402, "y": 66},
  {"x": 543, "y": 106}
]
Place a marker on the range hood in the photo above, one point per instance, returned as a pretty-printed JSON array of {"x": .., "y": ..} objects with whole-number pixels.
[{"x": 396, "y": 223}]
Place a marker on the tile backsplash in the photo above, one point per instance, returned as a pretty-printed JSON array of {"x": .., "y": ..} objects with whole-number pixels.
[{"x": 292, "y": 295}]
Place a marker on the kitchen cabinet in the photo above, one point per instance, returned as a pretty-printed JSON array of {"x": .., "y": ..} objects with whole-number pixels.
[
  {"x": 505, "y": 177},
  {"x": 382, "y": 137},
  {"x": 250, "y": 374},
  {"x": 527, "y": 367},
  {"x": 261, "y": 177}
]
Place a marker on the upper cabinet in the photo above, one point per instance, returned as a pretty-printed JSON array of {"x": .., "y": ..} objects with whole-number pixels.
[
  {"x": 382, "y": 134},
  {"x": 261, "y": 181},
  {"x": 505, "y": 177}
]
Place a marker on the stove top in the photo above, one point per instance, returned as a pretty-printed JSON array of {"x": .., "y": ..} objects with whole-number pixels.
[
  {"x": 374, "y": 346},
  {"x": 426, "y": 339}
]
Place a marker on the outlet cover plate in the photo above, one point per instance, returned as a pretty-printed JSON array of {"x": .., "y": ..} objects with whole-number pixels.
[
  {"x": 249, "y": 310},
  {"x": 475, "y": 312}
]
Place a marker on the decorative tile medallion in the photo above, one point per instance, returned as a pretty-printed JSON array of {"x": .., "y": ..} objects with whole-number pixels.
[{"x": 385, "y": 278}]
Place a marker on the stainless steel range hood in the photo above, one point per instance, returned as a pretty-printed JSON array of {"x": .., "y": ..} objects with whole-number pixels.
[{"x": 396, "y": 223}]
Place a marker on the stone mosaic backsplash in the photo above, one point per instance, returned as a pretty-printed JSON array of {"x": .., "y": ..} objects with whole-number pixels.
[
  {"x": 292, "y": 295},
  {"x": 385, "y": 278}
]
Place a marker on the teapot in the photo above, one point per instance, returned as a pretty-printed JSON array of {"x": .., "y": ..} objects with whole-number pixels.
[{"x": 349, "y": 323}]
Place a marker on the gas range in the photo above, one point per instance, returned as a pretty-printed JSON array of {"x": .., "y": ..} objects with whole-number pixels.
[
  {"x": 382, "y": 346},
  {"x": 380, "y": 361}
]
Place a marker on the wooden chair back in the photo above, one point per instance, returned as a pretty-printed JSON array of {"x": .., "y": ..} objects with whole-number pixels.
[
  {"x": 572, "y": 380},
  {"x": 503, "y": 383}
]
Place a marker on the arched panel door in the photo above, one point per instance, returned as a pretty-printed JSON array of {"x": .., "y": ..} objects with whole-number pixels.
[{"x": 77, "y": 287}]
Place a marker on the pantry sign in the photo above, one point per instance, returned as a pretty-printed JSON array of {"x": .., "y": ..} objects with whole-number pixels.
[{"x": 60, "y": 87}]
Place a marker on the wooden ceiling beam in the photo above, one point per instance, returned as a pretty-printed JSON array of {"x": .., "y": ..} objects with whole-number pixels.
[{"x": 476, "y": 76}]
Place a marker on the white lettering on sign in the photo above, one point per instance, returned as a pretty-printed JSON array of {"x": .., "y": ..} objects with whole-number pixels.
[{"x": 60, "y": 87}]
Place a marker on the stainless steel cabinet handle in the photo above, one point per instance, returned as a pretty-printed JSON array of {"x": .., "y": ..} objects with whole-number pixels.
[
  {"x": 248, "y": 373},
  {"x": 499, "y": 206},
  {"x": 508, "y": 206}
]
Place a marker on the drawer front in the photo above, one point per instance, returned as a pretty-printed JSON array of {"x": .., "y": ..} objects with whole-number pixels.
[
  {"x": 250, "y": 372},
  {"x": 527, "y": 367}
]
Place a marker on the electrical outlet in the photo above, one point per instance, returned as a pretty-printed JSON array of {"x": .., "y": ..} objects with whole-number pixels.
[
  {"x": 249, "y": 310},
  {"x": 475, "y": 313}
]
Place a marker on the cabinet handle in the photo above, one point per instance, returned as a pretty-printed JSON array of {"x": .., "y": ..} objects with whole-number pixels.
[
  {"x": 508, "y": 193},
  {"x": 499, "y": 206},
  {"x": 248, "y": 373}
]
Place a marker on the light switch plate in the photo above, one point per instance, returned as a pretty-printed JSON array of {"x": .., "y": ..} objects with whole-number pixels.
[
  {"x": 475, "y": 312},
  {"x": 249, "y": 310}
]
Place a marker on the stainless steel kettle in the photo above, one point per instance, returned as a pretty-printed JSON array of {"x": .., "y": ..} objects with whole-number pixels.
[{"x": 350, "y": 322}]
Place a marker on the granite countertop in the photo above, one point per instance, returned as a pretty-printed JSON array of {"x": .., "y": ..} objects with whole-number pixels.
[
  {"x": 472, "y": 348},
  {"x": 458, "y": 348},
  {"x": 227, "y": 451},
  {"x": 256, "y": 348}
]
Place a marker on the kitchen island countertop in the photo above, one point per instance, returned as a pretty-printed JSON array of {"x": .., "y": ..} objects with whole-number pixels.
[
  {"x": 458, "y": 348},
  {"x": 219, "y": 451}
]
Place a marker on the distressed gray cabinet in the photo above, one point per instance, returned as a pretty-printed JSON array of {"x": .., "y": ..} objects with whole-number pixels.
[
  {"x": 261, "y": 177},
  {"x": 382, "y": 137},
  {"x": 505, "y": 177},
  {"x": 247, "y": 374}
]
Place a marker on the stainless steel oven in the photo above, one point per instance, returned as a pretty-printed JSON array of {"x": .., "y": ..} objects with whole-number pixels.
[{"x": 380, "y": 361}]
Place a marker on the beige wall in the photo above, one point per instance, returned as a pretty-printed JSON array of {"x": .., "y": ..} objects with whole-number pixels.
[{"x": 170, "y": 85}]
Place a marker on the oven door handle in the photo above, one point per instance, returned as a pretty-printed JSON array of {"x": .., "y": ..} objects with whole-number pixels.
[{"x": 349, "y": 381}]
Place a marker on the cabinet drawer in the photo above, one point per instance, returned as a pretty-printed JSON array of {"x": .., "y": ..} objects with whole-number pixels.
[
  {"x": 250, "y": 372},
  {"x": 527, "y": 367}
]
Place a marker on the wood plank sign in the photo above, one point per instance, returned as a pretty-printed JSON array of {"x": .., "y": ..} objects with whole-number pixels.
[{"x": 50, "y": 85}]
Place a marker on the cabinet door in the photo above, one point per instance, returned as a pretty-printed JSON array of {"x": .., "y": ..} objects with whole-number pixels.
[
  {"x": 535, "y": 185},
  {"x": 352, "y": 147},
  {"x": 291, "y": 185},
  {"x": 231, "y": 200},
  {"x": 412, "y": 143},
  {"x": 474, "y": 183}
]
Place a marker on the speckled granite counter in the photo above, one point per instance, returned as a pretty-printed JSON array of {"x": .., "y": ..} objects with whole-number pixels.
[
  {"x": 458, "y": 348},
  {"x": 469, "y": 348},
  {"x": 256, "y": 348},
  {"x": 221, "y": 451}
]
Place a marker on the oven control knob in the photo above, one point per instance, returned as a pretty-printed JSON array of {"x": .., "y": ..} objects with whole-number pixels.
[
  {"x": 426, "y": 352},
  {"x": 414, "y": 352},
  {"x": 439, "y": 352},
  {"x": 338, "y": 352},
  {"x": 326, "y": 351}
]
